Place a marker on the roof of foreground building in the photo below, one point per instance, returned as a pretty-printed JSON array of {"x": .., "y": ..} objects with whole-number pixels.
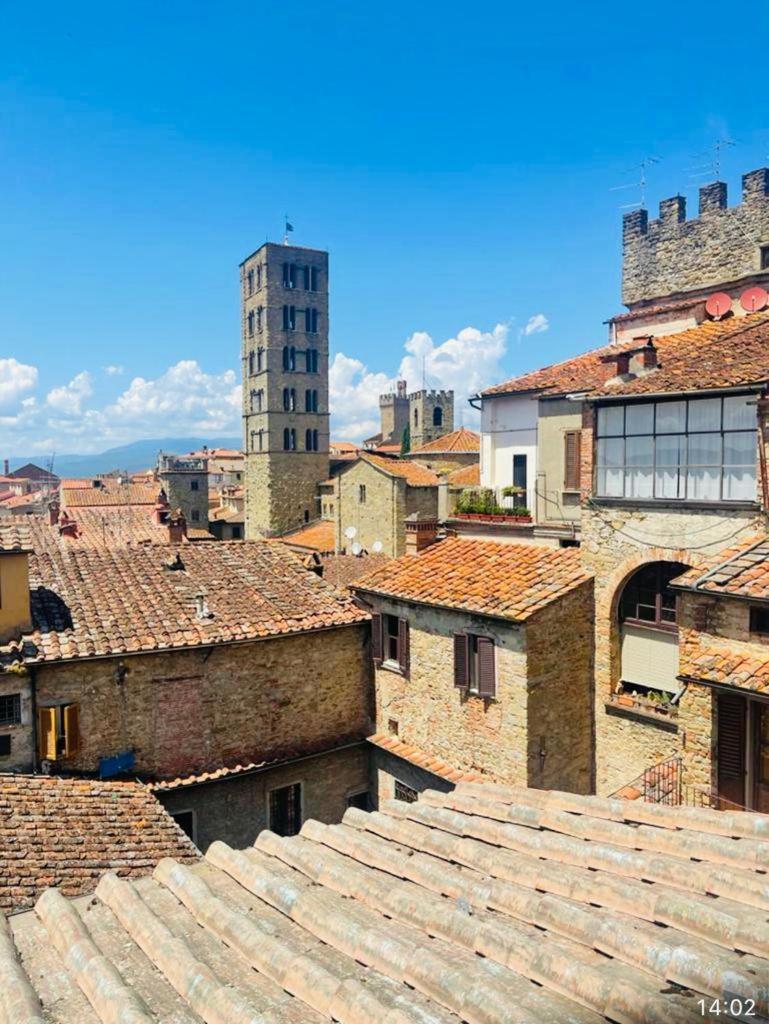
[
  {"x": 509, "y": 581},
  {"x": 487, "y": 904},
  {"x": 739, "y": 572},
  {"x": 67, "y": 832},
  {"x": 463, "y": 441}
]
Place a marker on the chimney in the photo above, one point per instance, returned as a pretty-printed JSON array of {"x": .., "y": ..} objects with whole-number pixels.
[
  {"x": 67, "y": 526},
  {"x": 644, "y": 358},
  {"x": 162, "y": 508},
  {"x": 202, "y": 611},
  {"x": 177, "y": 527},
  {"x": 6, "y": 467},
  {"x": 421, "y": 532},
  {"x": 53, "y": 512}
]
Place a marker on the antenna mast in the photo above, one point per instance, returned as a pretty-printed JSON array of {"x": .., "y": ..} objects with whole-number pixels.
[{"x": 640, "y": 184}]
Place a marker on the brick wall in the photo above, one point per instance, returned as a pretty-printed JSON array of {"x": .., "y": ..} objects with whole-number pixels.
[
  {"x": 235, "y": 810},
  {"x": 186, "y": 711}
]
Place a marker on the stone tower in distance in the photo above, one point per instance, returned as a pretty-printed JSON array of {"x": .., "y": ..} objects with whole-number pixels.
[
  {"x": 431, "y": 414},
  {"x": 284, "y": 314}
]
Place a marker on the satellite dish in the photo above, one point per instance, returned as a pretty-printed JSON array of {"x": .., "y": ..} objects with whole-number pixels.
[
  {"x": 718, "y": 304},
  {"x": 356, "y": 548},
  {"x": 377, "y": 546},
  {"x": 754, "y": 299},
  {"x": 350, "y": 532}
]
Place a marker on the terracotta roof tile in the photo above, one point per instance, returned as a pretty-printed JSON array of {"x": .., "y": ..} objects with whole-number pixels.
[
  {"x": 67, "y": 832},
  {"x": 343, "y": 570},
  {"x": 462, "y": 440},
  {"x": 713, "y": 661},
  {"x": 110, "y": 494},
  {"x": 317, "y": 536},
  {"x": 15, "y": 534},
  {"x": 101, "y": 601},
  {"x": 510, "y": 581},
  {"x": 414, "y": 474},
  {"x": 727, "y": 353},
  {"x": 421, "y": 759},
  {"x": 739, "y": 572},
  {"x": 466, "y": 476}
]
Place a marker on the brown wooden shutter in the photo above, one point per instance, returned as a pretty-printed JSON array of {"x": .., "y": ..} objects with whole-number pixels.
[
  {"x": 46, "y": 733},
  {"x": 732, "y": 716},
  {"x": 487, "y": 676},
  {"x": 71, "y": 730},
  {"x": 403, "y": 645},
  {"x": 571, "y": 460},
  {"x": 376, "y": 638},
  {"x": 460, "y": 660}
]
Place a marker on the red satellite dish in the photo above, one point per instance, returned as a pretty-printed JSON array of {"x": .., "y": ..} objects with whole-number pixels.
[
  {"x": 718, "y": 304},
  {"x": 754, "y": 299}
]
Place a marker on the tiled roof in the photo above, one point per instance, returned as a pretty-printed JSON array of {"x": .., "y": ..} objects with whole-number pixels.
[
  {"x": 390, "y": 447},
  {"x": 462, "y": 440},
  {"x": 418, "y": 758},
  {"x": 511, "y": 581},
  {"x": 106, "y": 526},
  {"x": 486, "y": 905},
  {"x": 718, "y": 661},
  {"x": 414, "y": 474},
  {"x": 17, "y": 501},
  {"x": 466, "y": 476},
  {"x": 317, "y": 536},
  {"x": 343, "y": 570},
  {"x": 15, "y": 535},
  {"x": 740, "y": 572},
  {"x": 343, "y": 446},
  {"x": 110, "y": 494},
  {"x": 67, "y": 832},
  {"x": 89, "y": 602},
  {"x": 655, "y": 309},
  {"x": 727, "y": 353}
]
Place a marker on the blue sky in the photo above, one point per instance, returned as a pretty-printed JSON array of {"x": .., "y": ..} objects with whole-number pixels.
[{"x": 457, "y": 162}]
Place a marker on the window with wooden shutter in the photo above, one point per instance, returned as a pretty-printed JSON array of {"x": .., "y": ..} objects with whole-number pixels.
[
  {"x": 732, "y": 720},
  {"x": 487, "y": 676},
  {"x": 460, "y": 660},
  {"x": 71, "y": 722},
  {"x": 46, "y": 733},
  {"x": 376, "y": 638},
  {"x": 403, "y": 645},
  {"x": 572, "y": 446}
]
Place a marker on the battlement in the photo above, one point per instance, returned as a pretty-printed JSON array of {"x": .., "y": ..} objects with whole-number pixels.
[
  {"x": 431, "y": 396},
  {"x": 181, "y": 464},
  {"x": 670, "y": 255}
]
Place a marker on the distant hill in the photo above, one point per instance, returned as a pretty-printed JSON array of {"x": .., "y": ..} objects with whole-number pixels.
[{"x": 131, "y": 457}]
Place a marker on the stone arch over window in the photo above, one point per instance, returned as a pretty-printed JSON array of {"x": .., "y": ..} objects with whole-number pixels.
[{"x": 437, "y": 416}]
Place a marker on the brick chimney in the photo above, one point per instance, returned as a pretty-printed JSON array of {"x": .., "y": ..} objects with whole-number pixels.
[
  {"x": 67, "y": 525},
  {"x": 177, "y": 527},
  {"x": 162, "y": 508},
  {"x": 421, "y": 532},
  {"x": 53, "y": 512}
]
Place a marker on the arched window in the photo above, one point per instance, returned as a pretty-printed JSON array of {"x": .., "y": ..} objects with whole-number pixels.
[
  {"x": 311, "y": 400},
  {"x": 293, "y": 440},
  {"x": 259, "y": 359},
  {"x": 285, "y": 357},
  {"x": 286, "y": 439},
  {"x": 251, "y": 364},
  {"x": 437, "y": 416},
  {"x": 252, "y": 401},
  {"x": 250, "y": 319},
  {"x": 308, "y": 440},
  {"x": 416, "y": 417},
  {"x": 292, "y": 358},
  {"x": 312, "y": 360},
  {"x": 315, "y": 440}
]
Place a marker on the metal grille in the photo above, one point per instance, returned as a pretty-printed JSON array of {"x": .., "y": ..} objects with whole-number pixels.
[{"x": 10, "y": 709}]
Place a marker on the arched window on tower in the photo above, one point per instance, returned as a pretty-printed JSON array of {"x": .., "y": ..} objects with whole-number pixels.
[
  {"x": 437, "y": 416},
  {"x": 250, "y": 364},
  {"x": 259, "y": 359},
  {"x": 308, "y": 440},
  {"x": 286, "y": 439},
  {"x": 250, "y": 320},
  {"x": 416, "y": 417}
]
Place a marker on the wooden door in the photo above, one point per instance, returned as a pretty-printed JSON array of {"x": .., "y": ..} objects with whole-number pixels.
[{"x": 732, "y": 750}]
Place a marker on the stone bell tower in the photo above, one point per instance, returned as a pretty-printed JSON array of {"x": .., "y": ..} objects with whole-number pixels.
[{"x": 284, "y": 327}]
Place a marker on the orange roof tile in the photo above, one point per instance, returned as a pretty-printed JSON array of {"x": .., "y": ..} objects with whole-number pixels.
[
  {"x": 317, "y": 536},
  {"x": 414, "y": 474},
  {"x": 15, "y": 534},
  {"x": 740, "y": 572},
  {"x": 720, "y": 661},
  {"x": 67, "y": 832},
  {"x": 417, "y": 757},
  {"x": 110, "y": 494},
  {"x": 462, "y": 440},
  {"x": 467, "y": 476},
  {"x": 95, "y": 601},
  {"x": 727, "y": 353},
  {"x": 511, "y": 581},
  {"x": 343, "y": 570}
]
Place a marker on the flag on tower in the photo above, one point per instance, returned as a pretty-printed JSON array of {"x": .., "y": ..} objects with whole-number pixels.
[{"x": 289, "y": 227}]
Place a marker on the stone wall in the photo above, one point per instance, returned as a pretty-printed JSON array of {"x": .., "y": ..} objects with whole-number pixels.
[
  {"x": 189, "y": 711},
  {"x": 385, "y": 769},
  {"x": 282, "y": 491},
  {"x": 235, "y": 810},
  {"x": 378, "y": 518},
  {"x": 672, "y": 254},
  {"x": 22, "y": 755},
  {"x": 421, "y": 407}
]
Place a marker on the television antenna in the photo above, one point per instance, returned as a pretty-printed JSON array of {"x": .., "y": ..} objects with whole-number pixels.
[
  {"x": 713, "y": 164},
  {"x": 640, "y": 183}
]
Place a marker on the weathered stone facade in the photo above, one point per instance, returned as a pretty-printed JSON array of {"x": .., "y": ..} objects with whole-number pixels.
[
  {"x": 235, "y": 810},
  {"x": 195, "y": 710},
  {"x": 285, "y": 386},
  {"x": 185, "y": 481},
  {"x": 431, "y": 415},
  {"x": 673, "y": 255},
  {"x": 16, "y": 730},
  {"x": 536, "y": 731}
]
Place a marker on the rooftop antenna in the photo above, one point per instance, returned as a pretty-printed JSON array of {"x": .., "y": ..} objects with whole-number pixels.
[
  {"x": 424, "y": 373},
  {"x": 640, "y": 184},
  {"x": 289, "y": 228},
  {"x": 712, "y": 166}
]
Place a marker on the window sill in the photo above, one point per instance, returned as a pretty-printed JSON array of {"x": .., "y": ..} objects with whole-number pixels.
[
  {"x": 638, "y": 714},
  {"x": 671, "y": 503},
  {"x": 392, "y": 666}
]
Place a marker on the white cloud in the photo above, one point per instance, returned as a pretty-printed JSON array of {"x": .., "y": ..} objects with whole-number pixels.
[
  {"x": 68, "y": 400},
  {"x": 15, "y": 380},
  {"x": 464, "y": 364},
  {"x": 114, "y": 370},
  {"x": 183, "y": 399},
  {"x": 536, "y": 324}
]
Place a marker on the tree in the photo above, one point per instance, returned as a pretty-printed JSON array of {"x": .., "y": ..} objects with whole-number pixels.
[{"x": 406, "y": 440}]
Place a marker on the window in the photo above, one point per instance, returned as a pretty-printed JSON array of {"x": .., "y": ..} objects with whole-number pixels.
[
  {"x": 195, "y": 515},
  {"x": 250, "y": 282},
  {"x": 259, "y": 360},
  {"x": 251, "y": 363},
  {"x": 312, "y": 360},
  {"x": 311, "y": 321},
  {"x": 259, "y": 314},
  {"x": 311, "y": 279},
  {"x": 58, "y": 731},
  {"x": 647, "y": 599},
  {"x": 257, "y": 440},
  {"x": 311, "y": 440},
  {"x": 289, "y": 275},
  {"x": 311, "y": 400},
  {"x": 437, "y": 416},
  {"x": 237, "y": 532},
  {"x": 405, "y": 793},
  {"x": 289, "y": 318},
  {"x": 361, "y": 494},
  {"x": 194, "y": 485},
  {"x": 701, "y": 450},
  {"x": 10, "y": 709},
  {"x": 390, "y": 641},
  {"x": 259, "y": 275},
  {"x": 289, "y": 440},
  {"x": 359, "y": 800},
  {"x": 416, "y": 417},
  {"x": 250, "y": 320},
  {"x": 5, "y": 746},
  {"x": 759, "y": 623},
  {"x": 474, "y": 664},
  {"x": 520, "y": 480},
  {"x": 765, "y": 257},
  {"x": 572, "y": 440},
  {"x": 392, "y": 726},
  {"x": 289, "y": 399},
  {"x": 285, "y": 810},
  {"x": 289, "y": 358},
  {"x": 186, "y": 822}
]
